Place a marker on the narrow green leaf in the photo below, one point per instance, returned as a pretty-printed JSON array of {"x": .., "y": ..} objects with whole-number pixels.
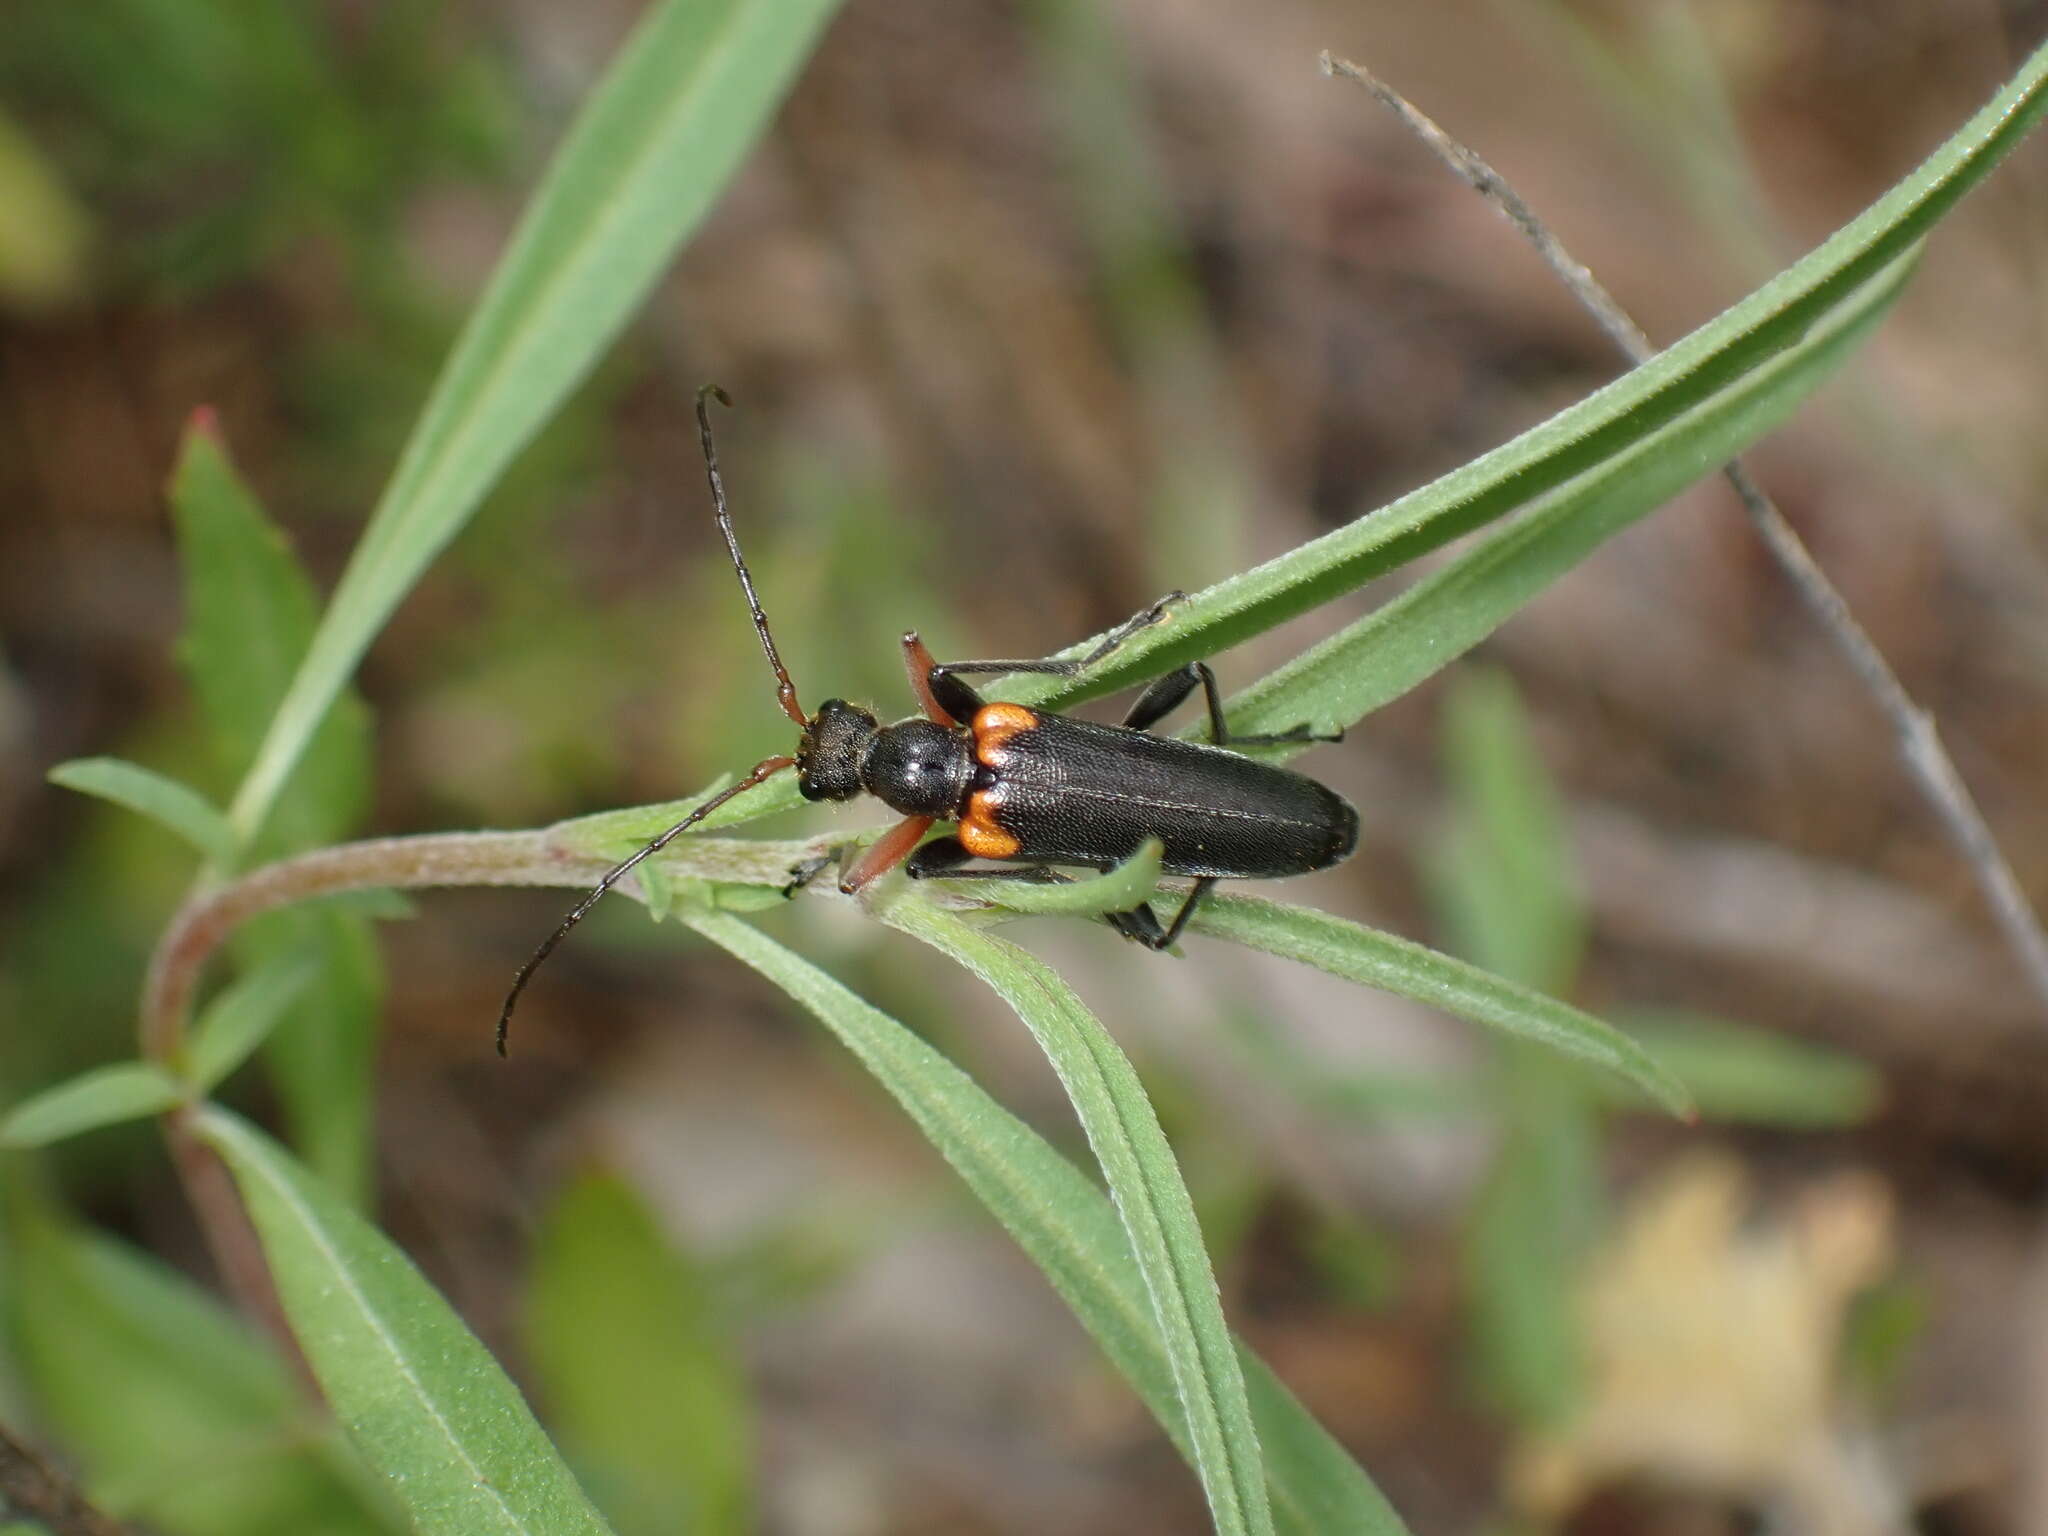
[
  {"x": 632, "y": 1367},
  {"x": 1739, "y": 1073},
  {"x": 1317, "y": 1486},
  {"x": 1506, "y": 884},
  {"x": 249, "y": 615},
  {"x": 175, "y": 1413},
  {"x": 1683, "y": 379},
  {"x": 1389, "y": 651},
  {"x": 1060, "y": 1217},
  {"x": 727, "y": 897},
  {"x": 242, "y": 1017},
  {"x": 46, "y": 230},
  {"x": 657, "y": 890},
  {"x": 424, "y": 1401},
  {"x": 1536, "y": 1216},
  {"x": 109, "y": 1095},
  {"x": 1594, "y": 468},
  {"x": 1412, "y": 970},
  {"x": 1118, "y": 890},
  {"x": 655, "y": 144},
  {"x": 322, "y": 1055},
  {"x": 164, "y": 800},
  {"x": 1145, "y": 1182}
]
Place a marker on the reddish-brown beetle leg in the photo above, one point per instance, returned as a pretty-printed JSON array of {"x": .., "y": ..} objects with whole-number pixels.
[
  {"x": 885, "y": 854},
  {"x": 917, "y": 661}
]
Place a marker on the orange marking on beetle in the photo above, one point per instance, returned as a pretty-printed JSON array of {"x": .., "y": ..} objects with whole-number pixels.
[
  {"x": 979, "y": 834},
  {"x": 994, "y": 725}
]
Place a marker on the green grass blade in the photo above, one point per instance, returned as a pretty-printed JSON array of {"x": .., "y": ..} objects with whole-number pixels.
[
  {"x": 1398, "y": 965},
  {"x": 322, "y": 1055},
  {"x": 164, "y": 800},
  {"x": 422, "y": 1398},
  {"x": 250, "y": 612},
  {"x": 1505, "y": 884},
  {"x": 1060, "y": 1217},
  {"x": 1150, "y": 1196},
  {"x": 250, "y": 615},
  {"x": 1751, "y": 1076},
  {"x": 658, "y": 140},
  {"x": 109, "y": 1095},
  {"x": 1527, "y": 1234},
  {"x": 329, "y": 1035},
  {"x": 177, "y": 1416},
  {"x": 635, "y": 1368},
  {"x": 1317, "y": 1485}
]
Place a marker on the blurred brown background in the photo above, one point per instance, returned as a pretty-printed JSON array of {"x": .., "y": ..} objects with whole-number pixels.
[{"x": 1033, "y": 312}]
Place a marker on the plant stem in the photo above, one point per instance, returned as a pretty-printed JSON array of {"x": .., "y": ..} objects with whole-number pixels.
[{"x": 205, "y": 922}]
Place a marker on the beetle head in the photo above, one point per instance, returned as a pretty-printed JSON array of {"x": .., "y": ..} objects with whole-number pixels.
[{"x": 828, "y": 758}]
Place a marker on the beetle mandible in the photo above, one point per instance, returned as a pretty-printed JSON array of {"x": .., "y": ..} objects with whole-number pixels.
[{"x": 1028, "y": 790}]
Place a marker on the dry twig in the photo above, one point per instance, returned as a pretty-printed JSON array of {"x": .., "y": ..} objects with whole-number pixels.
[{"x": 1919, "y": 740}]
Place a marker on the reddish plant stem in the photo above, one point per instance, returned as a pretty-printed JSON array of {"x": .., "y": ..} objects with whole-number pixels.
[
  {"x": 391, "y": 863},
  {"x": 231, "y": 1239},
  {"x": 198, "y": 930},
  {"x": 206, "y": 922}
]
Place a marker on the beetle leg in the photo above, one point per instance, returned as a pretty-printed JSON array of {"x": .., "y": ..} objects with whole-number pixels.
[
  {"x": 1148, "y": 931},
  {"x": 1144, "y": 618},
  {"x": 885, "y": 853},
  {"x": 1196, "y": 892},
  {"x": 1032, "y": 874},
  {"x": 1219, "y": 728},
  {"x": 941, "y": 858},
  {"x": 937, "y": 857},
  {"x": 1302, "y": 732},
  {"x": 1163, "y": 697},
  {"x": 805, "y": 871},
  {"x": 1140, "y": 925},
  {"x": 944, "y": 698}
]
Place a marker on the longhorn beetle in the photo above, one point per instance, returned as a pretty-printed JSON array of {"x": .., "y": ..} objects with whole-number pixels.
[{"x": 1027, "y": 789}]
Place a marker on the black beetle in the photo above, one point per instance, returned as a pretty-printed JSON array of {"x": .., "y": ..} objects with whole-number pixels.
[{"x": 1029, "y": 790}]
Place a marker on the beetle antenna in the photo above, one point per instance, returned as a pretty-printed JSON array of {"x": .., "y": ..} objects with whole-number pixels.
[
  {"x": 764, "y": 769},
  {"x": 785, "y": 690}
]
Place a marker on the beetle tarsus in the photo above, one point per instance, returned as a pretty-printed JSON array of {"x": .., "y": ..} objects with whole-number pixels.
[{"x": 804, "y": 871}]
